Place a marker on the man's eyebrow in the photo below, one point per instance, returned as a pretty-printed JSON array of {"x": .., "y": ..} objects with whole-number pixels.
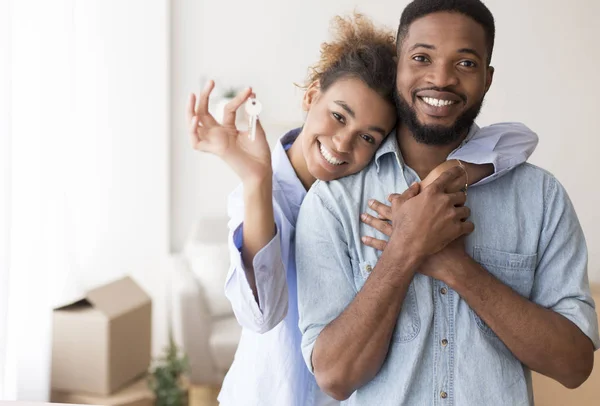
[
  {"x": 345, "y": 107},
  {"x": 469, "y": 51},
  {"x": 420, "y": 45}
]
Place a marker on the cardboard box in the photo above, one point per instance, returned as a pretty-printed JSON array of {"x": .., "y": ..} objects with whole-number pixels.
[
  {"x": 103, "y": 341},
  {"x": 136, "y": 394},
  {"x": 548, "y": 392}
]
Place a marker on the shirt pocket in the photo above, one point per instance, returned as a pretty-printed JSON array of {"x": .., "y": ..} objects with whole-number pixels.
[
  {"x": 514, "y": 270},
  {"x": 408, "y": 324}
]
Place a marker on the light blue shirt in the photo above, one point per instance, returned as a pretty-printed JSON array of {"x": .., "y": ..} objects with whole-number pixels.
[
  {"x": 268, "y": 368},
  {"x": 526, "y": 234}
]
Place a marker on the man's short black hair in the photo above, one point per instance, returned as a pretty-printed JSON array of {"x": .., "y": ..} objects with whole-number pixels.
[{"x": 474, "y": 9}]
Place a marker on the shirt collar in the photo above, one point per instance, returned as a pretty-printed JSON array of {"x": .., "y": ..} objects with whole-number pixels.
[
  {"x": 390, "y": 146},
  {"x": 284, "y": 176}
]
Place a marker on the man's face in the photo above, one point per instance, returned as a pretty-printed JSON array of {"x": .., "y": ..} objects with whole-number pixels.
[{"x": 442, "y": 77}]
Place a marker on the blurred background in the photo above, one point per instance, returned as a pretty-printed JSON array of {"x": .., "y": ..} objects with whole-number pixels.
[{"x": 97, "y": 176}]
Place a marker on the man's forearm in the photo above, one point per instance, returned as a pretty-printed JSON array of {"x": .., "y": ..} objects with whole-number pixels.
[
  {"x": 350, "y": 350},
  {"x": 542, "y": 339}
]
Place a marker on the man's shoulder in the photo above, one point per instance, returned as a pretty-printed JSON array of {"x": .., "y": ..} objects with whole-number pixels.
[
  {"x": 347, "y": 187},
  {"x": 530, "y": 182}
]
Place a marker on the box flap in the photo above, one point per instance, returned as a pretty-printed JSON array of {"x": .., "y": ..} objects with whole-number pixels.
[
  {"x": 74, "y": 304},
  {"x": 117, "y": 298}
]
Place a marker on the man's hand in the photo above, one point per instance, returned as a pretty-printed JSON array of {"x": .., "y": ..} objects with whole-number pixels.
[
  {"x": 425, "y": 223},
  {"x": 439, "y": 264}
]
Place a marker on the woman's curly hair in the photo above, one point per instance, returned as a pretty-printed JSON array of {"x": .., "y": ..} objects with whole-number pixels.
[{"x": 359, "y": 50}]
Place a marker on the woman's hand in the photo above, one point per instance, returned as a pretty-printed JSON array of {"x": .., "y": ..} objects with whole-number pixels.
[{"x": 251, "y": 160}]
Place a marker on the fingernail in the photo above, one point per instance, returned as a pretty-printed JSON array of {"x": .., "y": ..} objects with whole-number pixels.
[
  {"x": 371, "y": 202},
  {"x": 207, "y": 85},
  {"x": 363, "y": 216},
  {"x": 364, "y": 239}
]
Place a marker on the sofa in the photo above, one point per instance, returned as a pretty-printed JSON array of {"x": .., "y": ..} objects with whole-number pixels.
[{"x": 200, "y": 316}]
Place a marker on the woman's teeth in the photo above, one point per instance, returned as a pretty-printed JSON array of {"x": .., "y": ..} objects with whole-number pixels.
[
  {"x": 437, "y": 102},
  {"x": 328, "y": 157}
]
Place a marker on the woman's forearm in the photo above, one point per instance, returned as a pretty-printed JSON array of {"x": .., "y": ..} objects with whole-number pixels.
[
  {"x": 475, "y": 172},
  {"x": 259, "y": 223}
]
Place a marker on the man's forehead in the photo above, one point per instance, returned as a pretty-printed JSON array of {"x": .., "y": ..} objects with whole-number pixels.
[{"x": 446, "y": 29}]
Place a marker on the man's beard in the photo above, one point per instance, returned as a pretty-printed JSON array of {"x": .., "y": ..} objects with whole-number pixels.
[{"x": 434, "y": 134}]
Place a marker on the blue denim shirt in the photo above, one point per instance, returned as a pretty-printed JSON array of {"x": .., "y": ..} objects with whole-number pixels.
[{"x": 526, "y": 234}]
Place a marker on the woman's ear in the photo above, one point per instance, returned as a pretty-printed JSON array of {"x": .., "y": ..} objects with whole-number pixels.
[{"x": 311, "y": 95}]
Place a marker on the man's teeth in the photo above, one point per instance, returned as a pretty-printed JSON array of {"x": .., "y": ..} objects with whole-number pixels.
[
  {"x": 437, "y": 102},
  {"x": 328, "y": 157}
]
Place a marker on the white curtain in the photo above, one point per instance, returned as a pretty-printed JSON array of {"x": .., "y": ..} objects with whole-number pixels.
[
  {"x": 37, "y": 182},
  {"x": 5, "y": 64},
  {"x": 84, "y": 102}
]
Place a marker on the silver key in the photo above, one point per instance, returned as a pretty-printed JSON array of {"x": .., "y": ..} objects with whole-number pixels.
[{"x": 253, "y": 109}]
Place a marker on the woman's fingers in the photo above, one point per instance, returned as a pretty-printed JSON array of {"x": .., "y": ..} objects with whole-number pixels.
[
  {"x": 194, "y": 130},
  {"x": 191, "y": 107},
  {"x": 231, "y": 107},
  {"x": 202, "y": 109},
  {"x": 374, "y": 243}
]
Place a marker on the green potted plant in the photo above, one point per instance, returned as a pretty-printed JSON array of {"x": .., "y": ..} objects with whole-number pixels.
[{"x": 166, "y": 377}]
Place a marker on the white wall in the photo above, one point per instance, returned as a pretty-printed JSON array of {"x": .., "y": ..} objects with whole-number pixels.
[
  {"x": 546, "y": 59},
  {"x": 89, "y": 176}
]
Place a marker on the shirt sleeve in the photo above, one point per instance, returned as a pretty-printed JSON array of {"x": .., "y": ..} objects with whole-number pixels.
[
  {"x": 561, "y": 280},
  {"x": 269, "y": 272},
  {"x": 505, "y": 145},
  {"x": 323, "y": 268}
]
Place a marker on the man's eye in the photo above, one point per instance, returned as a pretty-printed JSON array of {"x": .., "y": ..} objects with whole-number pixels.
[
  {"x": 339, "y": 117},
  {"x": 468, "y": 64},
  {"x": 420, "y": 58},
  {"x": 368, "y": 138}
]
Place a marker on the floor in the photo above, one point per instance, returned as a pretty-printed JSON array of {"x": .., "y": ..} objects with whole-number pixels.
[{"x": 203, "y": 396}]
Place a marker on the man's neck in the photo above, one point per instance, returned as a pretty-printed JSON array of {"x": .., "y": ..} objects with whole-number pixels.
[{"x": 423, "y": 158}]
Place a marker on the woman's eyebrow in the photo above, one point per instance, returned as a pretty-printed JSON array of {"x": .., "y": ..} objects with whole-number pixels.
[{"x": 343, "y": 105}]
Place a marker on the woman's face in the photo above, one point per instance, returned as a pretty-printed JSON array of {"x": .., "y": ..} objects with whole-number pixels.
[{"x": 344, "y": 127}]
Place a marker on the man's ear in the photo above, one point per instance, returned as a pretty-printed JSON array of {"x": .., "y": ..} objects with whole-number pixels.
[
  {"x": 311, "y": 95},
  {"x": 489, "y": 78}
]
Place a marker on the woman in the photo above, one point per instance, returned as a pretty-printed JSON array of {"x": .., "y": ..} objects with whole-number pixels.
[{"x": 349, "y": 110}]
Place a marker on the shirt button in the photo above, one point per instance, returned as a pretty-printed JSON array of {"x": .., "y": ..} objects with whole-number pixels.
[
  {"x": 443, "y": 395},
  {"x": 368, "y": 268},
  {"x": 443, "y": 291},
  {"x": 444, "y": 342}
]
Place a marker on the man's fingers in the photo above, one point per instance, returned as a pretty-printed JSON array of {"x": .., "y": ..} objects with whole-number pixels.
[
  {"x": 409, "y": 193},
  {"x": 463, "y": 213},
  {"x": 231, "y": 107},
  {"x": 458, "y": 198},
  {"x": 383, "y": 210},
  {"x": 374, "y": 243},
  {"x": 380, "y": 225},
  {"x": 467, "y": 227}
]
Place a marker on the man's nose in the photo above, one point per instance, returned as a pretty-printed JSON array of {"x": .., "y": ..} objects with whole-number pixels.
[{"x": 443, "y": 75}]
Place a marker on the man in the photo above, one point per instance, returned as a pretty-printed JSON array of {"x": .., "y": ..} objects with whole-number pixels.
[{"x": 437, "y": 318}]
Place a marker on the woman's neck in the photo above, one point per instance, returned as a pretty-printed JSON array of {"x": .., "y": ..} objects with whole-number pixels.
[{"x": 296, "y": 156}]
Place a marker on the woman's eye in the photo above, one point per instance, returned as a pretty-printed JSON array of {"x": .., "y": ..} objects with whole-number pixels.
[
  {"x": 368, "y": 138},
  {"x": 419, "y": 58},
  {"x": 339, "y": 117},
  {"x": 468, "y": 64}
]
